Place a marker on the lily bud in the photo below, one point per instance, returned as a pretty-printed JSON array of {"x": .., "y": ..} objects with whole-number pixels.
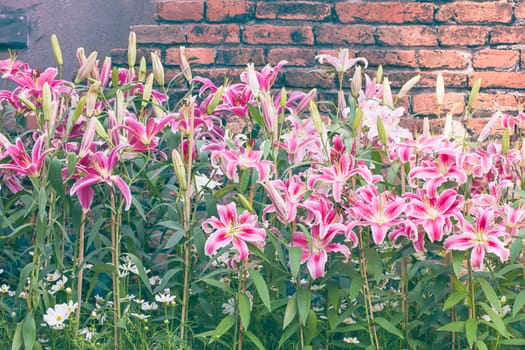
[
  {"x": 142, "y": 70},
  {"x": 408, "y": 86},
  {"x": 148, "y": 86},
  {"x": 379, "y": 73},
  {"x": 253, "y": 82},
  {"x": 440, "y": 89},
  {"x": 357, "y": 82},
  {"x": 79, "y": 108},
  {"x": 91, "y": 98},
  {"x": 132, "y": 49},
  {"x": 381, "y": 131},
  {"x": 316, "y": 117},
  {"x": 184, "y": 65},
  {"x": 474, "y": 93},
  {"x": 47, "y": 101},
  {"x": 358, "y": 117},
  {"x": 180, "y": 170},
  {"x": 387, "y": 93},
  {"x": 105, "y": 71},
  {"x": 57, "y": 52},
  {"x": 245, "y": 203},
  {"x": 81, "y": 56},
  {"x": 87, "y": 67},
  {"x": 217, "y": 97},
  {"x": 158, "y": 69},
  {"x": 447, "y": 130},
  {"x": 26, "y": 102},
  {"x": 426, "y": 127},
  {"x": 505, "y": 142},
  {"x": 119, "y": 106},
  {"x": 283, "y": 98},
  {"x": 101, "y": 131}
]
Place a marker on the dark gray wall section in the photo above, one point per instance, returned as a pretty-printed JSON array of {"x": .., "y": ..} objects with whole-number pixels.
[{"x": 95, "y": 25}]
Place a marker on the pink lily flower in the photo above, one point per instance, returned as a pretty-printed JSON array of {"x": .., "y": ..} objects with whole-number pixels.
[
  {"x": 433, "y": 211},
  {"x": 100, "y": 169},
  {"x": 302, "y": 141},
  {"x": 21, "y": 162},
  {"x": 233, "y": 160},
  {"x": 342, "y": 169},
  {"x": 285, "y": 197},
  {"x": 266, "y": 77},
  {"x": 325, "y": 226},
  {"x": 232, "y": 228},
  {"x": 381, "y": 212},
  {"x": 341, "y": 63},
  {"x": 484, "y": 237},
  {"x": 142, "y": 138}
]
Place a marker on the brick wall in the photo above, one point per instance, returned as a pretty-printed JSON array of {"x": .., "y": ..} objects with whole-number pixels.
[{"x": 464, "y": 40}]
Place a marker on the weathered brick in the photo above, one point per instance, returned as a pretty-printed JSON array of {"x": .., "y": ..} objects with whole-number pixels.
[
  {"x": 428, "y": 79},
  {"x": 229, "y": 10},
  {"x": 120, "y": 56},
  {"x": 344, "y": 34},
  {"x": 384, "y": 12},
  {"x": 303, "y": 78},
  {"x": 493, "y": 58},
  {"x": 219, "y": 75},
  {"x": 475, "y": 12},
  {"x": 399, "y": 58},
  {"x": 200, "y": 55},
  {"x": 296, "y": 56},
  {"x": 213, "y": 33},
  {"x": 452, "y": 59},
  {"x": 273, "y": 34},
  {"x": 180, "y": 10},
  {"x": 497, "y": 101},
  {"x": 463, "y": 35},
  {"x": 297, "y": 10},
  {"x": 412, "y": 35},
  {"x": 519, "y": 11},
  {"x": 426, "y": 103},
  {"x": 161, "y": 34},
  {"x": 490, "y": 79},
  {"x": 508, "y": 35},
  {"x": 240, "y": 56}
]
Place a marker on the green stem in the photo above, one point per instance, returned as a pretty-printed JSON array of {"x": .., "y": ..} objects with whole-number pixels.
[
  {"x": 80, "y": 273},
  {"x": 369, "y": 310},
  {"x": 115, "y": 255}
]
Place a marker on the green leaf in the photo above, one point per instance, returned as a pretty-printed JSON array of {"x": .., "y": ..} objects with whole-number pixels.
[
  {"x": 71, "y": 163},
  {"x": 389, "y": 327},
  {"x": 295, "y": 260},
  {"x": 29, "y": 331},
  {"x": 287, "y": 334},
  {"x": 291, "y": 311},
  {"x": 253, "y": 338},
  {"x": 244, "y": 310},
  {"x": 519, "y": 302},
  {"x": 471, "y": 329},
  {"x": 495, "y": 320},
  {"x": 261, "y": 287},
  {"x": 55, "y": 176},
  {"x": 172, "y": 225},
  {"x": 458, "y": 257},
  {"x": 457, "y": 327},
  {"x": 304, "y": 300},
  {"x": 515, "y": 342},
  {"x": 174, "y": 239},
  {"x": 355, "y": 287},
  {"x": 373, "y": 263},
  {"x": 223, "y": 327},
  {"x": 24, "y": 274},
  {"x": 256, "y": 115},
  {"x": 140, "y": 268},
  {"x": 109, "y": 268},
  {"x": 17, "y": 338},
  {"x": 42, "y": 203},
  {"x": 311, "y": 327},
  {"x": 480, "y": 345},
  {"x": 454, "y": 299},
  {"x": 490, "y": 294}
]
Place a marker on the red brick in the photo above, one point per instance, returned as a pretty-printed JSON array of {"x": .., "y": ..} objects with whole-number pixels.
[
  {"x": 412, "y": 35},
  {"x": 120, "y": 56},
  {"x": 492, "y": 58},
  {"x": 240, "y": 56},
  {"x": 213, "y": 33},
  {"x": 296, "y": 10},
  {"x": 384, "y": 12},
  {"x": 426, "y": 103},
  {"x": 475, "y": 12},
  {"x": 512, "y": 80},
  {"x": 497, "y": 101},
  {"x": 508, "y": 35},
  {"x": 463, "y": 35},
  {"x": 344, "y": 34},
  {"x": 522, "y": 59},
  {"x": 229, "y": 10},
  {"x": 161, "y": 34},
  {"x": 273, "y": 34},
  {"x": 428, "y": 79},
  {"x": 296, "y": 56},
  {"x": 519, "y": 11},
  {"x": 399, "y": 58},
  {"x": 200, "y": 55},
  {"x": 451, "y": 59},
  {"x": 219, "y": 75},
  {"x": 304, "y": 78},
  {"x": 180, "y": 10}
]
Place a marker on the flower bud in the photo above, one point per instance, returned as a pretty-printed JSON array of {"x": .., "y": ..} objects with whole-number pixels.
[
  {"x": 105, "y": 71},
  {"x": 47, "y": 101},
  {"x": 381, "y": 131},
  {"x": 379, "y": 73},
  {"x": 148, "y": 86},
  {"x": 158, "y": 69},
  {"x": 86, "y": 68},
  {"x": 119, "y": 106},
  {"x": 91, "y": 98},
  {"x": 316, "y": 117},
  {"x": 26, "y": 102},
  {"x": 408, "y": 86},
  {"x": 101, "y": 131},
  {"x": 387, "y": 94},
  {"x": 447, "y": 130},
  {"x": 283, "y": 98},
  {"x": 426, "y": 127},
  {"x": 79, "y": 108},
  {"x": 184, "y": 65},
  {"x": 180, "y": 170},
  {"x": 358, "y": 117},
  {"x": 440, "y": 89},
  {"x": 57, "y": 52},
  {"x": 245, "y": 203},
  {"x": 132, "y": 49},
  {"x": 474, "y": 93},
  {"x": 142, "y": 70},
  {"x": 357, "y": 82},
  {"x": 253, "y": 82},
  {"x": 217, "y": 97},
  {"x": 505, "y": 142}
]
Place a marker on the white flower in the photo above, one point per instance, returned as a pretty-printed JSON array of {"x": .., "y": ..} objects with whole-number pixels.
[
  {"x": 154, "y": 281},
  {"x": 165, "y": 297},
  {"x": 4, "y": 288},
  {"x": 349, "y": 321},
  {"x": 140, "y": 316},
  {"x": 59, "y": 285},
  {"x": 71, "y": 307},
  {"x": 351, "y": 340},
  {"x": 52, "y": 277},
  {"x": 146, "y": 306},
  {"x": 316, "y": 287},
  {"x": 1, "y": 271},
  {"x": 88, "y": 333},
  {"x": 55, "y": 317},
  {"x": 228, "y": 308}
]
